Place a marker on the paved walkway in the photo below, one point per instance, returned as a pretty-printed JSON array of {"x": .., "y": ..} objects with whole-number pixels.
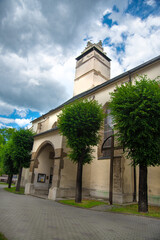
[{"x": 30, "y": 218}]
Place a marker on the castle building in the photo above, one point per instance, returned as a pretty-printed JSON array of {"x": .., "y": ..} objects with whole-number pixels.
[{"x": 51, "y": 172}]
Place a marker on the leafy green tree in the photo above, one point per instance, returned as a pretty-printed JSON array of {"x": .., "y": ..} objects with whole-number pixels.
[
  {"x": 2, "y": 140},
  {"x": 8, "y": 163},
  {"x": 22, "y": 146},
  {"x": 1, "y": 159},
  {"x": 79, "y": 123},
  {"x": 5, "y": 136},
  {"x": 136, "y": 113}
]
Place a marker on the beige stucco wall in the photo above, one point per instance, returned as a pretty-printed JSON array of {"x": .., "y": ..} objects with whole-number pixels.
[
  {"x": 25, "y": 177},
  {"x": 46, "y": 122},
  {"x": 54, "y": 137},
  {"x": 128, "y": 180},
  {"x": 68, "y": 174},
  {"x": 95, "y": 61},
  {"x": 91, "y": 70},
  {"x": 95, "y": 176},
  {"x": 154, "y": 185},
  {"x": 85, "y": 82},
  {"x": 99, "y": 181}
]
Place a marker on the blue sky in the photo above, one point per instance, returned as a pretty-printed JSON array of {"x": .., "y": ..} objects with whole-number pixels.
[{"x": 41, "y": 39}]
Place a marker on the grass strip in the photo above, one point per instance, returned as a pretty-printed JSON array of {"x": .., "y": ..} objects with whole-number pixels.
[
  {"x": 13, "y": 190},
  {"x": 84, "y": 204},
  {"x": 2, "y": 237},
  {"x": 3, "y": 183},
  {"x": 153, "y": 211}
]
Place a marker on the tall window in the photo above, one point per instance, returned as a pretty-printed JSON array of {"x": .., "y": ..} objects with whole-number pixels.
[{"x": 108, "y": 131}]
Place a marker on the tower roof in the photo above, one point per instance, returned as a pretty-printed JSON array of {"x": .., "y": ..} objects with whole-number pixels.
[{"x": 93, "y": 46}]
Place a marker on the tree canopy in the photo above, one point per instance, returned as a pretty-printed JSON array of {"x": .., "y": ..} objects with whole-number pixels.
[
  {"x": 136, "y": 114},
  {"x": 23, "y": 141},
  {"x": 5, "y": 136},
  {"x": 15, "y": 151},
  {"x": 8, "y": 163},
  {"x": 80, "y": 123}
]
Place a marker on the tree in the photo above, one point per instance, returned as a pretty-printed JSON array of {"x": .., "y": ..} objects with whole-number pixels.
[
  {"x": 5, "y": 136},
  {"x": 8, "y": 163},
  {"x": 2, "y": 139},
  {"x": 136, "y": 114},
  {"x": 79, "y": 123},
  {"x": 1, "y": 157},
  {"x": 22, "y": 146}
]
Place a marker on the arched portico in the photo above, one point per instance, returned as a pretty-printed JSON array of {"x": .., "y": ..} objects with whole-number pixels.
[{"x": 43, "y": 169}]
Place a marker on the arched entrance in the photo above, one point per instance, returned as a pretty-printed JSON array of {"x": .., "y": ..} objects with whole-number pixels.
[{"x": 43, "y": 168}]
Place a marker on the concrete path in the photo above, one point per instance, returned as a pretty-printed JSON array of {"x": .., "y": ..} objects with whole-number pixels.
[{"x": 30, "y": 218}]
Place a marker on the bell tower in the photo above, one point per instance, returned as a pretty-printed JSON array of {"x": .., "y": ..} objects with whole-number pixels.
[{"x": 92, "y": 68}]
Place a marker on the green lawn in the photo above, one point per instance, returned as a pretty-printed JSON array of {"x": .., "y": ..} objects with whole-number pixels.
[
  {"x": 13, "y": 190},
  {"x": 2, "y": 237},
  {"x": 6, "y": 183},
  {"x": 85, "y": 203},
  {"x": 154, "y": 211}
]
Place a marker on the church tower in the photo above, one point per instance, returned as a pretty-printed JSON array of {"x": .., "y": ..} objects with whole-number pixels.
[{"x": 92, "y": 68}]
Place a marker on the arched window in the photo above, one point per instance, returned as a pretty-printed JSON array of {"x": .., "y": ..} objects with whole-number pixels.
[
  {"x": 108, "y": 131},
  {"x": 54, "y": 125}
]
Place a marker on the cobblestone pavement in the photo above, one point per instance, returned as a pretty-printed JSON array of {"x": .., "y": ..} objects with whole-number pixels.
[{"x": 30, "y": 218}]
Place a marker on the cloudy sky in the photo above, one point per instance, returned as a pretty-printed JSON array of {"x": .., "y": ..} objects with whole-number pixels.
[{"x": 39, "y": 40}]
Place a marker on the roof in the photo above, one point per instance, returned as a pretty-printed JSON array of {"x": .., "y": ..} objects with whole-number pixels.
[
  {"x": 90, "y": 50},
  {"x": 94, "y": 89},
  {"x": 48, "y": 131}
]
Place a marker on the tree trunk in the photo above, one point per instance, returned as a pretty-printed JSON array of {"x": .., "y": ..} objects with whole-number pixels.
[
  {"x": 10, "y": 180},
  {"x": 78, "y": 198},
  {"x": 143, "y": 196},
  {"x": 19, "y": 179}
]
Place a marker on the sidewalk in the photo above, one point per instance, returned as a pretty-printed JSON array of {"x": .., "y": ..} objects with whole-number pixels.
[{"x": 30, "y": 218}]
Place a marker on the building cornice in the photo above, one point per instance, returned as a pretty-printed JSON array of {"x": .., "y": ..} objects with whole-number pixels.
[{"x": 46, "y": 132}]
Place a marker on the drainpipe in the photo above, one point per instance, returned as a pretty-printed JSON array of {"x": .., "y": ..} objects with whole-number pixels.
[
  {"x": 111, "y": 171},
  {"x": 134, "y": 166}
]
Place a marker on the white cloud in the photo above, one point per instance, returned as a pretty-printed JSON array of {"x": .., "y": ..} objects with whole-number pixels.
[
  {"x": 6, "y": 109},
  {"x": 20, "y": 122},
  {"x": 3, "y": 126},
  {"x": 107, "y": 11},
  {"x": 22, "y": 112},
  {"x": 139, "y": 37},
  {"x": 23, "y": 122},
  {"x": 29, "y": 126},
  {"x": 6, "y": 120},
  {"x": 150, "y": 2},
  {"x": 141, "y": 45}
]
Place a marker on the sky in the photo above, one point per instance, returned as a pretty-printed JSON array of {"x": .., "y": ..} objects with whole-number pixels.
[{"x": 39, "y": 41}]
